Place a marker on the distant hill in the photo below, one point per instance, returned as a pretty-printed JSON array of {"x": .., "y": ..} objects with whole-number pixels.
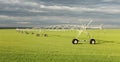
[{"x": 13, "y": 27}]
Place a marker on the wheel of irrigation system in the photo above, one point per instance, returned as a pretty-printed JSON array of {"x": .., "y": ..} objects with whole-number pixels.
[
  {"x": 37, "y": 35},
  {"x": 32, "y": 33},
  {"x": 75, "y": 41},
  {"x": 45, "y": 35},
  {"x": 92, "y": 41}
]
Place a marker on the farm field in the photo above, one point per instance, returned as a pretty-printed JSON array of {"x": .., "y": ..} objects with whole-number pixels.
[{"x": 58, "y": 47}]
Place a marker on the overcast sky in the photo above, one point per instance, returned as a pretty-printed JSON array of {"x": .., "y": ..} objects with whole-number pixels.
[{"x": 47, "y": 12}]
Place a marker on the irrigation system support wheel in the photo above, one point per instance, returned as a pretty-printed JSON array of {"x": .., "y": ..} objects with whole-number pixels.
[
  {"x": 32, "y": 33},
  {"x": 37, "y": 35},
  {"x": 92, "y": 41},
  {"x": 75, "y": 41},
  {"x": 45, "y": 35}
]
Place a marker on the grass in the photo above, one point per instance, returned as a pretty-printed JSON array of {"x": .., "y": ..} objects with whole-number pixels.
[{"x": 57, "y": 47}]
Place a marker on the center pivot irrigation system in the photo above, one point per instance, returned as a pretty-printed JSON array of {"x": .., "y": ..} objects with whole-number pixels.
[
  {"x": 84, "y": 29},
  {"x": 81, "y": 28}
]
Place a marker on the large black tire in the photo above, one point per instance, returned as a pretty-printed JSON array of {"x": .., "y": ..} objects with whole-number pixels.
[
  {"x": 37, "y": 35},
  {"x": 32, "y": 33},
  {"x": 45, "y": 35},
  {"x": 75, "y": 41},
  {"x": 92, "y": 41}
]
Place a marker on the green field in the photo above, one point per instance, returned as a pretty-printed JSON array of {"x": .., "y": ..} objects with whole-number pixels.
[{"x": 58, "y": 47}]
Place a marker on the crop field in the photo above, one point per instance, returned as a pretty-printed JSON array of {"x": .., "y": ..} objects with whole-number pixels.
[{"x": 57, "y": 46}]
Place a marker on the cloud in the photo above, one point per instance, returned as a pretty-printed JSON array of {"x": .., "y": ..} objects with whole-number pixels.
[
  {"x": 111, "y": 0},
  {"x": 108, "y": 0},
  {"x": 4, "y": 17},
  {"x": 35, "y": 8},
  {"x": 104, "y": 9},
  {"x": 59, "y": 11},
  {"x": 30, "y": 6},
  {"x": 23, "y": 22},
  {"x": 19, "y": 6},
  {"x": 36, "y": 11},
  {"x": 55, "y": 7},
  {"x": 10, "y": 1},
  {"x": 39, "y": 18}
]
